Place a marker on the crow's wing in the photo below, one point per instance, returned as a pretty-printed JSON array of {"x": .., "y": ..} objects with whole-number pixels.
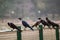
[
  {"x": 14, "y": 26},
  {"x": 26, "y": 25}
]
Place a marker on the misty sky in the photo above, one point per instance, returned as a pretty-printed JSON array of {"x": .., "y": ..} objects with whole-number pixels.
[{"x": 29, "y": 8}]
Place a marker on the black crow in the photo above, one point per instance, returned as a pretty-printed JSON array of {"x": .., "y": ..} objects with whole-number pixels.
[
  {"x": 25, "y": 24},
  {"x": 37, "y": 23},
  {"x": 52, "y": 23},
  {"x": 13, "y": 26}
]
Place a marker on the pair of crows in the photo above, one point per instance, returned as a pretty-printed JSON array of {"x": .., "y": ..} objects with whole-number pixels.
[{"x": 25, "y": 24}]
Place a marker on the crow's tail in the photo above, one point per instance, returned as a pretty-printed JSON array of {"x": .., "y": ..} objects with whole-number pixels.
[
  {"x": 31, "y": 28},
  {"x": 19, "y": 29}
]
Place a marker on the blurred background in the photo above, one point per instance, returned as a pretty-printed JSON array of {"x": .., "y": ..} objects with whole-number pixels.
[{"x": 29, "y": 10}]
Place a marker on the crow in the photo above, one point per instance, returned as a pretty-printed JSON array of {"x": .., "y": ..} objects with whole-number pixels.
[
  {"x": 37, "y": 23},
  {"x": 25, "y": 24},
  {"x": 13, "y": 26},
  {"x": 52, "y": 23}
]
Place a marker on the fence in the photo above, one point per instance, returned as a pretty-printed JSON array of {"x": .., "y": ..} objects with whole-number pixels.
[
  {"x": 51, "y": 34},
  {"x": 42, "y": 34}
]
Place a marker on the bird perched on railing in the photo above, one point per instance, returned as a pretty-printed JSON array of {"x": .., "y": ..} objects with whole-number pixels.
[
  {"x": 25, "y": 24},
  {"x": 37, "y": 23},
  {"x": 52, "y": 23},
  {"x": 13, "y": 26}
]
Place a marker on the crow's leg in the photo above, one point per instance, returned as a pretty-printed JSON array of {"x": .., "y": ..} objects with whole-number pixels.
[
  {"x": 44, "y": 27},
  {"x": 49, "y": 27},
  {"x": 37, "y": 28},
  {"x": 53, "y": 27},
  {"x": 12, "y": 29}
]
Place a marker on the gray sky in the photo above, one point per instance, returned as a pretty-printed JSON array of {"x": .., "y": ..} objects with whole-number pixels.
[{"x": 29, "y": 8}]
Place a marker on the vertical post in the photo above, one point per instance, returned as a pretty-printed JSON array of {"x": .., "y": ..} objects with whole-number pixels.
[
  {"x": 40, "y": 32},
  {"x": 57, "y": 33},
  {"x": 19, "y": 34}
]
